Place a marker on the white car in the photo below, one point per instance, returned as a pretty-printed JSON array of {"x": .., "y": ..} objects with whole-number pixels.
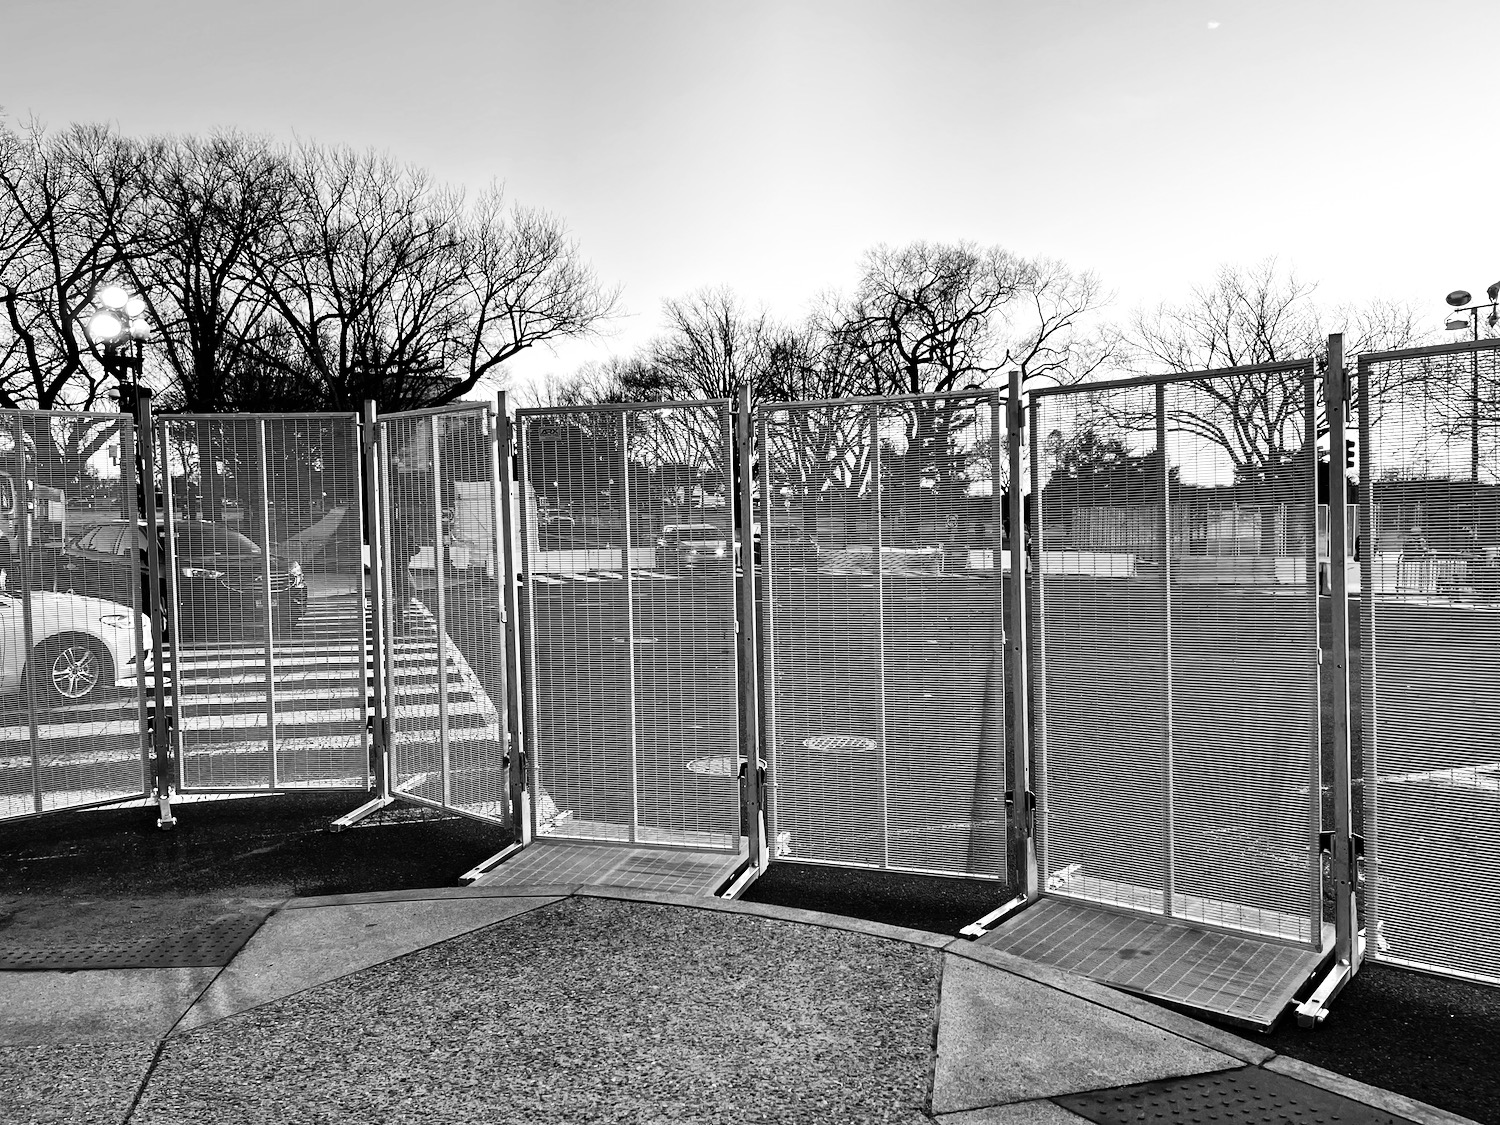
[{"x": 80, "y": 647}]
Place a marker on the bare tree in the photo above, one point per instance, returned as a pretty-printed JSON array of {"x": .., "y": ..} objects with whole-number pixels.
[
  {"x": 1249, "y": 317},
  {"x": 209, "y": 209}
]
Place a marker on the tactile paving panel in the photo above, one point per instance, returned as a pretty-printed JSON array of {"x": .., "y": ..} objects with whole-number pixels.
[
  {"x": 1228, "y": 1097},
  {"x": 214, "y": 944}
]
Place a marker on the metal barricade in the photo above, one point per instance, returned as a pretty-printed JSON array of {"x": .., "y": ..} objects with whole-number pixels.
[
  {"x": 881, "y": 554},
  {"x": 75, "y": 645},
  {"x": 444, "y": 659},
  {"x": 1176, "y": 680},
  {"x": 1429, "y": 634},
  {"x": 262, "y": 539},
  {"x": 631, "y": 674}
]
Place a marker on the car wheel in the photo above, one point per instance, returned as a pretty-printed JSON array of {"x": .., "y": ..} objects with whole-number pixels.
[{"x": 70, "y": 670}]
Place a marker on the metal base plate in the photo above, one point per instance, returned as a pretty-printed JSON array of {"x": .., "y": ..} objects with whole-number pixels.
[
  {"x": 1250, "y": 1096},
  {"x": 1240, "y": 979},
  {"x": 214, "y": 944},
  {"x": 614, "y": 865}
]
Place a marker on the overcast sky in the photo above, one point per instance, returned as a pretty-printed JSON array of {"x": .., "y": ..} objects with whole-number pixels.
[{"x": 766, "y": 145}]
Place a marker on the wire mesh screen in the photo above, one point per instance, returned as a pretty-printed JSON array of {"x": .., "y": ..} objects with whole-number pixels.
[
  {"x": 882, "y": 633},
  {"x": 1430, "y": 630},
  {"x": 259, "y": 514},
  {"x": 445, "y": 664},
  {"x": 630, "y": 560},
  {"x": 1178, "y": 638},
  {"x": 72, "y": 692}
]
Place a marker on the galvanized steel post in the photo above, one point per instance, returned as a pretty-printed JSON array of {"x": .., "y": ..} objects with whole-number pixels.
[
  {"x": 1021, "y": 860},
  {"x": 379, "y": 725},
  {"x": 435, "y": 437},
  {"x": 268, "y": 598},
  {"x": 1308, "y": 501},
  {"x": 1344, "y": 874},
  {"x": 885, "y": 810},
  {"x": 162, "y": 734},
  {"x": 1169, "y": 826},
  {"x": 630, "y": 693},
  {"x": 505, "y": 565},
  {"x": 767, "y": 667},
  {"x": 20, "y": 583},
  {"x": 1036, "y": 667},
  {"x": 749, "y": 710}
]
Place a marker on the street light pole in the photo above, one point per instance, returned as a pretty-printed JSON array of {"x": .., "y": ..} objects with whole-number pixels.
[{"x": 1458, "y": 300}]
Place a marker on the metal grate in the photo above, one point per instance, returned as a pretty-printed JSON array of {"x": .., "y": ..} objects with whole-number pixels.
[
  {"x": 1250, "y": 1096},
  {"x": 213, "y": 944},
  {"x": 1245, "y": 980},
  {"x": 1176, "y": 536},
  {"x": 73, "y": 699},
  {"x": 679, "y": 870},
  {"x": 264, "y": 574},
  {"x": 881, "y": 555},
  {"x": 630, "y": 563},
  {"x": 1430, "y": 627}
]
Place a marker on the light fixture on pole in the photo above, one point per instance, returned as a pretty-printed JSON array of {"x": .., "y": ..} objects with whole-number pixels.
[
  {"x": 119, "y": 322},
  {"x": 1459, "y": 301}
]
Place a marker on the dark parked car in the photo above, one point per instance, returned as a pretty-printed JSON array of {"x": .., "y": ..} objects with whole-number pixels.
[
  {"x": 788, "y": 548},
  {"x": 220, "y": 575},
  {"x": 690, "y": 545}
]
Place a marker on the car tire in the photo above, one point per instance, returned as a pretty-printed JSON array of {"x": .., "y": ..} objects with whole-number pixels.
[{"x": 70, "y": 669}]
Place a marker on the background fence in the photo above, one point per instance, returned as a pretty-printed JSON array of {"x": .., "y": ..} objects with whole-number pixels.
[
  {"x": 269, "y": 684},
  {"x": 444, "y": 659},
  {"x": 1430, "y": 632},
  {"x": 629, "y": 626},
  {"x": 882, "y": 632},
  {"x": 1177, "y": 747},
  {"x": 73, "y": 700}
]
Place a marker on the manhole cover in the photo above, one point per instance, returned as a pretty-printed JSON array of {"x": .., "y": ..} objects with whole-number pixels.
[
  {"x": 1250, "y": 1095},
  {"x": 213, "y": 944},
  {"x": 839, "y": 744}
]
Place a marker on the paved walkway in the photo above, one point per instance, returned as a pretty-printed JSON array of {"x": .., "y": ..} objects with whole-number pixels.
[{"x": 561, "y": 1003}]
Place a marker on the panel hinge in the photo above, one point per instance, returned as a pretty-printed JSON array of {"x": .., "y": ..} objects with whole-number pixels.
[{"x": 1030, "y": 809}]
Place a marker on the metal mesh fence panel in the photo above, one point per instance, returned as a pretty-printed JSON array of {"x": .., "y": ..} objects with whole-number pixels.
[
  {"x": 882, "y": 633},
  {"x": 1178, "y": 642},
  {"x": 445, "y": 663},
  {"x": 629, "y": 567},
  {"x": 1429, "y": 633},
  {"x": 263, "y": 556},
  {"x": 72, "y": 694}
]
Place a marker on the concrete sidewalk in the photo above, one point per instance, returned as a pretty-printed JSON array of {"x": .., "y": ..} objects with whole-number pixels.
[{"x": 578, "y": 1004}]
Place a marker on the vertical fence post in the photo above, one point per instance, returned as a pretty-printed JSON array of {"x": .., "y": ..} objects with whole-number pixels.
[
  {"x": 20, "y": 582},
  {"x": 525, "y": 642},
  {"x": 1169, "y": 825},
  {"x": 505, "y": 567},
  {"x": 749, "y": 712},
  {"x": 268, "y": 595},
  {"x": 1336, "y": 665},
  {"x": 1037, "y": 667},
  {"x": 379, "y": 725},
  {"x": 435, "y": 440},
  {"x": 630, "y": 695},
  {"x": 885, "y": 835},
  {"x": 1307, "y": 501},
  {"x": 164, "y": 729},
  {"x": 139, "y": 604},
  {"x": 767, "y": 638},
  {"x": 1344, "y": 874},
  {"x": 1022, "y": 866}
]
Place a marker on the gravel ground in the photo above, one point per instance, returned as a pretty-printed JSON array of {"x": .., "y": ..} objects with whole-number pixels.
[
  {"x": 86, "y": 1084},
  {"x": 586, "y": 1010}
]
